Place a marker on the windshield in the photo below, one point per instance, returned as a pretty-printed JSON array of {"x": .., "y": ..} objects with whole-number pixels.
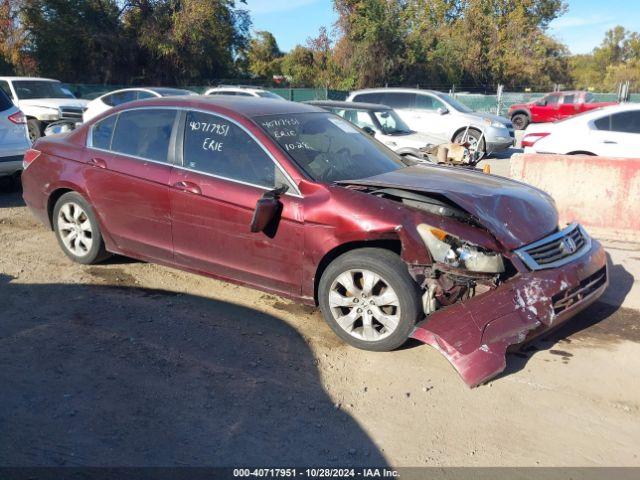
[
  {"x": 454, "y": 103},
  {"x": 391, "y": 123},
  {"x": 29, "y": 89},
  {"x": 327, "y": 147},
  {"x": 269, "y": 95}
]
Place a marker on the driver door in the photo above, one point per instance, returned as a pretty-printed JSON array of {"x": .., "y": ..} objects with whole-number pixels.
[{"x": 223, "y": 173}]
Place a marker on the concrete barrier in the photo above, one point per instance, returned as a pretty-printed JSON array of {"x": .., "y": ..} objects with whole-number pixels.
[{"x": 601, "y": 193}]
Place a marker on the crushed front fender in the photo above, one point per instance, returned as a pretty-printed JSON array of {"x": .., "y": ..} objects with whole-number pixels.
[{"x": 474, "y": 335}]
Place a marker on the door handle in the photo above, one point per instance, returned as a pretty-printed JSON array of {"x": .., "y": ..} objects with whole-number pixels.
[
  {"x": 610, "y": 142},
  {"x": 189, "y": 187},
  {"x": 98, "y": 162}
]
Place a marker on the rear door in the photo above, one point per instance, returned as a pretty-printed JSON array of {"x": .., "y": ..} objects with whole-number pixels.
[
  {"x": 617, "y": 134},
  {"x": 213, "y": 196},
  {"x": 128, "y": 180},
  {"x": 568, "y": 106}
]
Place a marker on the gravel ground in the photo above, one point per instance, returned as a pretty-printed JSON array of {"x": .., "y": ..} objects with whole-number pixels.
[{"x": 128, "y": 363}]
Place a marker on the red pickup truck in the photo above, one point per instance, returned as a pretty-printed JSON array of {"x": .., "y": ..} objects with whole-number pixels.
[{"x": 553, "y": 106}]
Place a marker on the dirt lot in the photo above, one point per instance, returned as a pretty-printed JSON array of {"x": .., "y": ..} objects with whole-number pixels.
[{"x": 128, "y": 363}]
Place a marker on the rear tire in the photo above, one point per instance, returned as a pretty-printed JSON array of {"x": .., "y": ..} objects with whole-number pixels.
[
  {"x": 77, "y": 230},
  {"x": 35, "y": 129},
  {"x": 369, "y": 299},
  {"x": 520, "y": 121}
]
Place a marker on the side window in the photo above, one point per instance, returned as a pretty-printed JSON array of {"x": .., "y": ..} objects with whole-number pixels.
[
  {"x": 144, "y": 133},
  {"x": 626, "y": 122},
  {"x": 363, "y": 119},
  {"x": 399, "y": 100},
  {"x": 603, "y": 123},
  {"x": 4, "y": 86},
  {"x": 552, "y": 100},
  {"x": 219, "y": 147},
  {"x": 119, "y": 98},
  {"x": 108, "y": 100},
  {"x": 243, "y": 94},
  {"x": 569, "y": 99},
  {"x": 142, "y": 95},
  {"x": 374, "y": 97},
  {"x": 427, "y": 102},
  {"x": 102, "y": 132}
]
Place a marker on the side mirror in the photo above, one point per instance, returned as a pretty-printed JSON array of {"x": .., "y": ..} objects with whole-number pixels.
[
  {"x": 369, "y": 130},
  {"x": 442, "y": 111},
  {"x": 267, "y": 212}
]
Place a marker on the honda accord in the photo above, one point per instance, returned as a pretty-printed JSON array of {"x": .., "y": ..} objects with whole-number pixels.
[{"x": 294, "y": 200}]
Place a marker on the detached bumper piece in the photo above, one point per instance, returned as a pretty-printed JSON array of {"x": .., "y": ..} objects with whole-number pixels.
[{"x": 474, "y": 335}]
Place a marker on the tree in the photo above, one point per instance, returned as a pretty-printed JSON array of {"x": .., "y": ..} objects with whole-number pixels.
[{"x": 264, "y": 56}]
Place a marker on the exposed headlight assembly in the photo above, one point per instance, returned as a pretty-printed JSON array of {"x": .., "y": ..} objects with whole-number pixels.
[{"x": 451, "y": 250}]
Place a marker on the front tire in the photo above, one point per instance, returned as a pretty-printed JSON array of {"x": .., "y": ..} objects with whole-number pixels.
[
  {"x": 474, "y": 139},
  {"x": 369, "y": 299},
  {"x": 77, "y": 230}
]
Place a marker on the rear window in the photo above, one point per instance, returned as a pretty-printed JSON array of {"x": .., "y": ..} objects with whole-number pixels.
[{"x": 5, "y": 102}]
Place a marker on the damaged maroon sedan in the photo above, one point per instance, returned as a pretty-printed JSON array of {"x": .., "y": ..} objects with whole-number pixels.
[{"x": 293, "y": 200}]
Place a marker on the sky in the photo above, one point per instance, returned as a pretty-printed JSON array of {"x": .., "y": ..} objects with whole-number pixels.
[{"x": 581, "y": 28}]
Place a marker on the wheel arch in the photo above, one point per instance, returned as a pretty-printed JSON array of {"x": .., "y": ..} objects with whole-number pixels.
[
  {"x": 462, "y": 129},
  {"x": 391, "y": 244}
]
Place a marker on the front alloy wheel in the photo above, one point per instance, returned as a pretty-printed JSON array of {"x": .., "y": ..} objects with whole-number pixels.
[
  {"x": 364, "y": 305},
  {"x": 369, "y": 299}
]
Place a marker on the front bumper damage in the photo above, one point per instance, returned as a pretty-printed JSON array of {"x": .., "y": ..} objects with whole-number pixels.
[{"x": 474, "y": 335}]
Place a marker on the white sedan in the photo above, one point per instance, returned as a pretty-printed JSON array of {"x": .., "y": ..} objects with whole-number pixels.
[
  {"x": 118, "y": 97},
  {"x": 610, "y": 131}
]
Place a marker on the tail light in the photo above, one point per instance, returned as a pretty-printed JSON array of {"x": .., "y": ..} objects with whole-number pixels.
[
  {"x": 531, "y": 138},
  {"x": 18, "y": 118},
  {"x": 29, "y": 156}
]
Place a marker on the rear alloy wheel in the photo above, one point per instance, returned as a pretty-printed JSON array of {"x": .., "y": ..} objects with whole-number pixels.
[
  {"x": 520, "y": 121},
  {"x": 77, "y": 230},
  {"x": 369, "y": 299}
]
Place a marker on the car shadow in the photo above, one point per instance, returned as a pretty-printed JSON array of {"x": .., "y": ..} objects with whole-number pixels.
[{"x": 123, "y": 376}]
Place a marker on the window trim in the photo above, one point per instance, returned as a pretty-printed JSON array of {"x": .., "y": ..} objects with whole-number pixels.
[{"x": 175, "y": 155}]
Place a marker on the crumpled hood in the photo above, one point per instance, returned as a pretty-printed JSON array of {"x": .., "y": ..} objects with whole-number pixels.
[{"x": 515, "y": 213}]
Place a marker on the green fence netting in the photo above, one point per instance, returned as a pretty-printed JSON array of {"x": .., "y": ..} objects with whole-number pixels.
[{"x": 475, "y": 101}]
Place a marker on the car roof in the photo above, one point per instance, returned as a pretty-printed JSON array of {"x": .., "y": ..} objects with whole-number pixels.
[
  {"x": 395, "y": 89},
  {"x": 348, "y": 105},
  {"x": 238, "y": 87},
  {"x": 30, "y": 78},
  {"x": 164, "y": 91},
  {"x": 247, "y": 106}
]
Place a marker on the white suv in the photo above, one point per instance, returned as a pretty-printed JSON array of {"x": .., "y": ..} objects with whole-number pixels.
[
  {"x": 43, "y": 101},
  {"x": 443, "y": 117},
  {"x": 13, "y": 137},
  {"x": 240, "y": 91}
]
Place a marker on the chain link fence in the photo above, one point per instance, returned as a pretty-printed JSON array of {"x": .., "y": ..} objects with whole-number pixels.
[{"x": 476, "y": 101}]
